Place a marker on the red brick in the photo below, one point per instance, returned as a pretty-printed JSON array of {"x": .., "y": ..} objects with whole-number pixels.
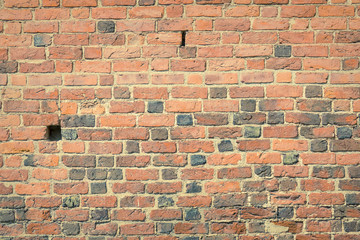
[
  {"x": 141, "y": 174},
  {"x": 164, "y": 188},
  {"x": 288, "y": 198},
  {"x": 221, "y": 214},
  {"x": 79, "y": 3},
  {"x": 175, "y": 25},
  {"x": 43, "y": 202},
  {"x": 276, "y": 104},
  {"x": 156, "y": 120},
  {"x": 131, "y": 133},
  {"x": 29, "y": 133},
  {"x": 138, "y": 229},
  {"x": 283, "y": 63},
  {"x": 253, "y": 50},
  {"x": 69, "y": 39},
  {"x": 224, "y": 132},
  {"x": 92, "y": 228},
  {"x": 232, "y": 24},
  {"x": 71, "y": 215},
  {"x": 71, "y": 188},
  {"x": 27, "y": 53},
  {"x": 280, "y": 132},
  {"x": 43, "y": 67},
  {"x": 196, "y": 146},
  {"x": 222, "y": 187},
  {"x": 146, "y": 12},
  {"x": 298, "y": 11},
  {"x": 317, "y": 184},
  {"x": 226, "y": 64},
  {"x": 308, "y": 78},
  {"x": 15, "y": 14},
  {"x": 228, "y": 228},
  {"x": 289, "y": 145},
  {"x": 133, "y": 161},
  {"x": 43, "y": 228},
  {"x": 52, "y": 14},
  {"x": 65, "y": 53},
  {"x": 203, "y": 11},
  {"x": 318, "y": 158},
  {"x": 33, "y": 188},
  {"x": 118, "y": 3},
  {"x": 9, "y": 120},
  {"x": 259, "y": 37},
  {"x": 136, "y": 25},
  {"x": 109, "y": 13},
  {"x": 9, "y": 175},
  {"x": 128, "y": 215},
  {"x": 310, "y": 51},
  {"x": 77, "y": 27},
  {"x": 47, "y": 174},
  {"x": 100, "y": 202},
  {"x": 195, "y": 38},
  {"x": 183, "y": 106},
  {"x": 326, "y": 198},
  {"x": 117, "y": 121},
  {"x": 284, "y": 91},
  {"x": 158, "y": 147},
  {"x": 126, "y": 107},
  {"x": 105, "y": 147},
  {"x": 221, "y": 105},
  {"x": 140, "y": 202},
  {"x": 328, "y": 23},
  {"x": 344, "y": 50},
  {"x": 234, "y": 173},
  {"x": 16, "y": 147},
  {"x": 252, "y": 145},
  {"x": 197, "y": 174},
  {"x": 270, "y": 24},
  {"x": 243, "y": 11},
  {"x": 313, "y": 212},
  {"x": 336, "y": 11},
  {"x": 263, "y": 158},
  {"x": 342, "y": 92},
  {"x": 224, "y": 159}
]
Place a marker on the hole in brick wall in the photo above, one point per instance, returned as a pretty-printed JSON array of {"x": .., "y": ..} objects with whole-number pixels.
[
  {"x": 183, "y": 37},
  {"x": 54, "y": 133}
]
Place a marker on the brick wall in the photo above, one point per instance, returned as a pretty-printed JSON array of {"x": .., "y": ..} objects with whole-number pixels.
[{"x": 179, "y": 119}]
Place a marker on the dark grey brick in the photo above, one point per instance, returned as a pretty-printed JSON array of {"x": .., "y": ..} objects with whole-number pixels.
[
  {"x": 42, "y": 40},
  {"x": 71, "y": 201},
  {"x": 313, "y": 92},
  {"x": 96, "y": 174},
  {"x": 184, "y": 120},
  {"x": 169, "y": 174},
  {"x": 165, "y": 202},
  {"x": 328, "y": 172},
  {"x": 29, "y": 161},
  {"x": 190, "y": 238},
  {"x": 197, "y": 160},
  {"x": 106, "y": 26},
  {"x": 290, "y": 158},
  {"x": 187, "y": 52},
  {"x": 132, "y": 147},
  {"x": 230, "y": 200},
  {"x": 159, "y": 134},
  {"x": 71, "y": 228},
  {"x": 121, "y": 93},
  {"x": 155, "y": 107},
  {"x": 192, "y": 214},
  {"x": 248, "y": 105},
  {"x": 354, "y": 172},
  {"x": 99, "y": 214},
  {"x": 256, "y": 227},
  {"x": 275, "y": 118},
  {"x": 77, "y": 174},
  {"x": 69, "y": 134},
  {"x": 319, "y": 145},
  {"x": 78, "y": 121},
  {"x": 98, "y": 188},
  {"x": 344, "y": 132},
  {"x": 7, "y": 216},
  {"x": 146, "y": 2},
  {"x": 285, "y": 212},
  {"x": 263, "y": 171},
  {"x": 12, "y": 202},
  {"x": 105, "y": 162},
  {"x": 193, "y": 187},
  {"x": 8, "y": 67},
  {"x": 115, "y": 174},
  {"x": 353, "y": 226},
  {"x": 218, "y": 92},
  {"x": 252, "y": 132},
  {"x": 165, "y": 227},
  {"x": 225, "y": 146},
  {"x": 286, "y": 237},
  {"x": 287, "y": 185},
  {"x": 282, "y": 51}
]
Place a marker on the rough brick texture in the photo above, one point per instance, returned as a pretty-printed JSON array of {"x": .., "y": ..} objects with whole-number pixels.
[{"x": 179, "y": 119}]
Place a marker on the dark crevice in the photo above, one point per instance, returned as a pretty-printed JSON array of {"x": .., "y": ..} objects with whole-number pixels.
[
  {"x": 183, "y": 37},
  {"x": 54, "y": 133}
]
